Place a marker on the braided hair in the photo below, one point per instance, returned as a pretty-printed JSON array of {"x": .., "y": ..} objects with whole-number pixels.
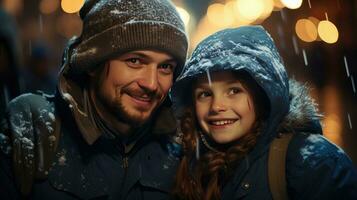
[{"x": 203, "y": 178}]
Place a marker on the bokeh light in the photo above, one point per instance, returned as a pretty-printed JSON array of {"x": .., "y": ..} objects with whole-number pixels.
[
  {"x": 328, "y": 32},
  {"x": 316, "y": 23},
  {"x": 278, "y": 5},
  {"x": 14, "y": 7},
  {"x": 332, "y": 121},
  {"x": 214, "y": 14},
  {"x": 71, "y": 6},
  {"x": 229, "y": 13},
  {"x": 268, "y": 9},
  {"x": 185, "y": 16},
  {"x": 250, "y": 9},
  {"x": 292, "y": 4},
  {"x": 306, "y": 30},
  {"x": 314, "y": 20}
]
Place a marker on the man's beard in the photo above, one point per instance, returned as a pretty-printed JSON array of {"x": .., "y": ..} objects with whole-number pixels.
[{"x": 117, "y": 109}]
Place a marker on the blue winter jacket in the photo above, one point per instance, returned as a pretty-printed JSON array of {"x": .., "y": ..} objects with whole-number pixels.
[
  {"x": 315, "y": 167},
  {"x": 52, "y": 148}
]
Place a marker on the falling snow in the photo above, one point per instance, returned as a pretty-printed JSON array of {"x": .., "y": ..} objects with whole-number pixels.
[
  {"x": 52, "y": 116},
  {"x": 209, "y": 77},
  {"x": 5, "y": 145},
  {"x": 283, "y": 16},
  {"x": 353, "y": 84},
  {"x": 117, "y": 12},
  {"x": 40, "y": 21},
  {"x": 305, "y": 57},
  {"x": 295, "y": 43},
  {"x": 346, "y": 66},
  {"x": 88, "y": 52},
  {"x": 349, "y": 120},
  {"x": 197, "y": 148}
]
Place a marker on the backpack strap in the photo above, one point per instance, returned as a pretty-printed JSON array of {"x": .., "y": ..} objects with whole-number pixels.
[{"x": 276, "y": 166}]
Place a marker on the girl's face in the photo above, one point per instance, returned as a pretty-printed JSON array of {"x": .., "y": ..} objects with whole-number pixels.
[{"x": 224, "y": 108}]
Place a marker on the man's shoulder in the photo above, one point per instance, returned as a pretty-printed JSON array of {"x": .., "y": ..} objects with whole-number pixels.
[
  {"x": 27, "y": 116},
  {"x": 34, "y": 107},
  {"x": 30, "y": 100}
]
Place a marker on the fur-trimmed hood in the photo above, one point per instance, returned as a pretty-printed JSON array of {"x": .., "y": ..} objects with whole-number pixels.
[
  {"x": 303, "y": 111},
  {"x": 251, "y": 49}
]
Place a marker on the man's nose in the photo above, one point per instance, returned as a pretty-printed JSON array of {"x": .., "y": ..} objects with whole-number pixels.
[{"x": 149, "y": 79}]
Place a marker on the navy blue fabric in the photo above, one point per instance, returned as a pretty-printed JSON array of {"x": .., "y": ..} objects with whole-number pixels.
[
  {"x": 316, "y": 168},
  {"x": 83, "y": 171}
]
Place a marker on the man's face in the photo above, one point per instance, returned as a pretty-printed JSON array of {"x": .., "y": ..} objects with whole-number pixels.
[{"x": 134, "y": 84}]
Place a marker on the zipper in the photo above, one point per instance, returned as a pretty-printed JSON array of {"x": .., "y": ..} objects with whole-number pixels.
[
  {"x": 125, "y": 166},
  {"x": 125, "y": 162}
]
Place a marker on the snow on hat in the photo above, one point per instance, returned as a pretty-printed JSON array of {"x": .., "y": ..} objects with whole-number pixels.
[{"x": 113, "y": 27}]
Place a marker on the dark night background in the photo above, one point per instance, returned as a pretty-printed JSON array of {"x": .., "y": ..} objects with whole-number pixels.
[{"x": 42, "y": 36}]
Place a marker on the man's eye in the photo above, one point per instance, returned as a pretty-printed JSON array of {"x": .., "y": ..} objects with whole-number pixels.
[
  {"x": 135, "y": 61},
  {"x": 167, "y": 68}
]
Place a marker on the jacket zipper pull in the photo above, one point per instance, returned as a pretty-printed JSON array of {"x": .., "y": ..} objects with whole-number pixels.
[{"x": 125, "y": 162}]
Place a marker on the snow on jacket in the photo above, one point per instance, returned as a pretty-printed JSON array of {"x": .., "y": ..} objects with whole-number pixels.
[
  {"x": 87, "y": 164},
  {"x": 315, "y": 168}
]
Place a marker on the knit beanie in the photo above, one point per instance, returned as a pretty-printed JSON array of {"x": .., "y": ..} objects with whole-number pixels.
[{"x": 113, "y": 27}]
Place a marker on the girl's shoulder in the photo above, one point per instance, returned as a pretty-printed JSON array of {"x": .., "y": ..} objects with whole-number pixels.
[
  {"x": 315, "y": 167},
  {"x": 310, "y": 149}
]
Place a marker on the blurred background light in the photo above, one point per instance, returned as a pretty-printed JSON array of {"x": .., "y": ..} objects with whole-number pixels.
[
  {"x": 250, "y": 9},
  {"x": 14, "y": 7},
  {"x": 278, "y": 5},
  {"x": 229, "y": 13},
  {"x": 316, "y": 23},
  {"x": 292, "y": 4},
  {"x": 328, "y": 32},
  {"x": 306, "y": 30},
  {"x": 185, "y": 16},
  {"x": 214, "y": 14},
  {"x": 71, "y": 6},
  {"x": 268, "y": 8}
]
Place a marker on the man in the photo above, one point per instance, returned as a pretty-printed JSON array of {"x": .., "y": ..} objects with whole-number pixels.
[{"x": 107, "y": 133}]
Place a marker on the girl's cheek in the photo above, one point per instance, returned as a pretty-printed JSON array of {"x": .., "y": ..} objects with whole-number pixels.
[{"x": 249, "y": 105}]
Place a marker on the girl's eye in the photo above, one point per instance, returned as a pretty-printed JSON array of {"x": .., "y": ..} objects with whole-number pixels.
[
  {"x": 234, "y": 90},
  {"x": 203, "y": 94}
]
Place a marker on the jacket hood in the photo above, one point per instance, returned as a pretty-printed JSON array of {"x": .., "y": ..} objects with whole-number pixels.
[
  {"x": 250, "y": 49},
  {"x": 303, "y": 114},
  {"x": 74, "y": 91}
]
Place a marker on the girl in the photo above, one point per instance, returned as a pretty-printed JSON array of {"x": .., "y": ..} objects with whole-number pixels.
[{"x": 241, "y": 101}]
